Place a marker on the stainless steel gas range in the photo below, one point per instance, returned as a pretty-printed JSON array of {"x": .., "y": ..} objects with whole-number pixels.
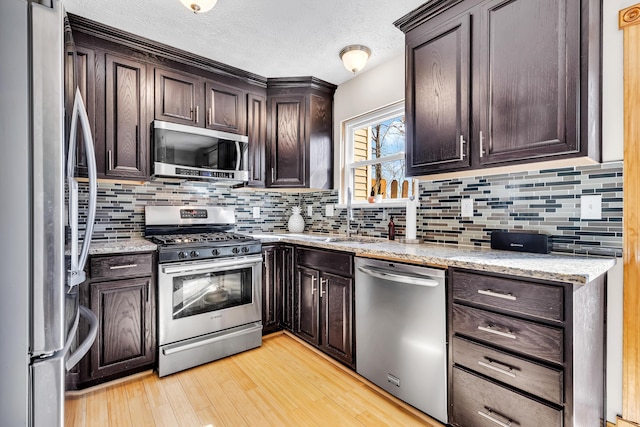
[{"x": 209, "y": 285}]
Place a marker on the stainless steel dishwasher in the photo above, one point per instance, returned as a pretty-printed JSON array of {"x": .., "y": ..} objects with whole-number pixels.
[{"x": 401, "y": 337}]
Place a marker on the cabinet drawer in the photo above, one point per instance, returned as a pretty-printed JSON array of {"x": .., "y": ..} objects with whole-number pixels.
[
  {"x": 519, "y": 335},
  {"x": 327, "y": 261},
  {"x": 518, "y": 296},
  {"x": 534, "y": 378},
  {"x": 481, "y": 403},
  {"x": 121, "y": 266}
]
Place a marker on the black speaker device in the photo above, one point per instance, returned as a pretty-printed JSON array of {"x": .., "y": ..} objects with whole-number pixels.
[{"x": 521, "y": 242}]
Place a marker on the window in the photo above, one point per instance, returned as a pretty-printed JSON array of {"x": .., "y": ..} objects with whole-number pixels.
[{"x": 374, "y": 156}]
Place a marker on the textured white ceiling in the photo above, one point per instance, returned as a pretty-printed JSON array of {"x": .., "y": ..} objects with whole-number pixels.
[{"x": 275, "y": 38}]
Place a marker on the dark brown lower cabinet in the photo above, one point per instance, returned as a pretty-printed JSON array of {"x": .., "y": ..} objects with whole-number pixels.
[
  {"x": 121, "y": 292},
  {"x": 324, "y": 302},
  {"x": 277, "y": 288},
  {"x": 525, "y": 352}
]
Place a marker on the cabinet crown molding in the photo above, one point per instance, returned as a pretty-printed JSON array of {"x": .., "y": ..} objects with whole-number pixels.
[
  {"x": 301, "y": 82},
  {"x": 423, "y": 13},
  {"x": 154, "y": 48}
]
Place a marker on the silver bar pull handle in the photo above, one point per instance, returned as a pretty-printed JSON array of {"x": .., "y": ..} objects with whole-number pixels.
[
  {"x": 490, "y": 329},
  {"x": 209, "y": 120},
  {"x": 197, "y": 114},
  {"x": 462, "y": 142},
  {"x": 323, "y": 283},
  {"x": 120, "y": 267},
  {"x": 313, "y": 285},
  {"x": 481, "y": 145},
  {"x": 490, "y": 417},
  {"x": 273, "y": 175},
  {"x": 400, "y": 277},
  {"x": 109, "y": 160},
  {"x": 490, "y": 365},
  {"x": 490, "y": 293}
]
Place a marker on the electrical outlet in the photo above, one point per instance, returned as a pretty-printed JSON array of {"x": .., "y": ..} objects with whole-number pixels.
[
  {"x": 591, "y": 206},
  {"x": 328, "y": 210},
  {"x": 309, "y": 211},
  {"x": 256, "y": 212},
  {"x": 466, "y": 208}
]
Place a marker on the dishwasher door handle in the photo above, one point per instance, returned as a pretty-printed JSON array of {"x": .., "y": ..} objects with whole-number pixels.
[{"x": 394, "y": 276}]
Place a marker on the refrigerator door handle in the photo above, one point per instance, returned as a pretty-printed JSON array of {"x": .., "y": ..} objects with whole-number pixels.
[
  {"x": 84, "y": 347},
  {"x": 76, "y": 274}
]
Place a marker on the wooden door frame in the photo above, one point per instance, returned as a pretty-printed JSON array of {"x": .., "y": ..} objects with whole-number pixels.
[{"x": 629, "y": 20}]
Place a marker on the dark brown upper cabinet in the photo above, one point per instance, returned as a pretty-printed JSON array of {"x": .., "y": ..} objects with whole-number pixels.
[
  {"x": 300, "y": 133},
  {"x": 438, "y": 101},
  {"x": 499, "y": 82},
  {"x": 225, "y": 108},
  {"x": 192, "y": 100},
  {"x": 126, "y": 118},
  {"x": 257, "y": 133},
  {"x": 178, "y": 97}
]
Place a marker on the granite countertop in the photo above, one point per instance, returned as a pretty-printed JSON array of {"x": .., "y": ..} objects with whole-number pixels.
[
  {"x": 569, "y": 268},
  {"x": 102, "y": 247}
]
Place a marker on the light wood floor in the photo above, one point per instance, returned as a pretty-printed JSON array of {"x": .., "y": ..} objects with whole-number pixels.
[{"x": 282, "y": 383}]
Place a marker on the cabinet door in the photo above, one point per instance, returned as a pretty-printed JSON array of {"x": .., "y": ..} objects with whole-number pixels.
[
  {"x": 271, "y": 291},
  {"x": 257, "y": 133},
  {"x": 286, "y": 278},
  {"x": 307, "y": 316},
  {"x": 529, "y": 71},
  {"x": 178, "y": 97},
  {"x": 126, "y": 123},
  {"x": 225, "y": 108},
  {"x": 336, "y": 302},
  {"x": 125, "y": 332},
  {"x": 287, "y": 151},
  {"x": 438, "y": 98}
]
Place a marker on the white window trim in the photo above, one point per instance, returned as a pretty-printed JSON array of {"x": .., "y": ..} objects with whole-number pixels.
[{"x": 349, "y": 126}]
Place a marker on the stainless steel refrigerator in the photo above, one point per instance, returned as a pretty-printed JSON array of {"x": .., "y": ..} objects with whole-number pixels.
[{"x": 41, "y": 119}]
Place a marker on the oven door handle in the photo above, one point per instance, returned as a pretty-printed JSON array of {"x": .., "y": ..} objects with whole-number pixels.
[
  {"x": 200, "y": 266},
  {"x": 218, "y": 337}
]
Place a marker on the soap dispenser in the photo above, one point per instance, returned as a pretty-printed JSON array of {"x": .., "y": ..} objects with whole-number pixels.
[{"x": 392, "y": 229}]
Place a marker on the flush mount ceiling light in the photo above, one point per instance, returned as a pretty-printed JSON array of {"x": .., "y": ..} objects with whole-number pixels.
[
  {"x": 354, "y": 57},
  {"x": 199, "y": 6}
]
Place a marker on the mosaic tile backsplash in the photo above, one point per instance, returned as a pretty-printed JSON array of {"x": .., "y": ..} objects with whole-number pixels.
[{"x": 546, "y": 201}]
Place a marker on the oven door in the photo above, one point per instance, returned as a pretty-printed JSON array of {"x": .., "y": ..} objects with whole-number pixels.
[{"x": 200, "y": 297}]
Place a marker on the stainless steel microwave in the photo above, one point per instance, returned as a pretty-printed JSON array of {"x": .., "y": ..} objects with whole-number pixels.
[{"x": 180, "y": 151}]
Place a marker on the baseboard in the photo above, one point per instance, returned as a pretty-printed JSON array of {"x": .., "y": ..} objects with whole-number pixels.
[{"x": 79, "y": 393}]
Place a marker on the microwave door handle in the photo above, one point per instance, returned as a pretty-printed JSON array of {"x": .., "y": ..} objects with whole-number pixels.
[{"x": 238, "y": 156}]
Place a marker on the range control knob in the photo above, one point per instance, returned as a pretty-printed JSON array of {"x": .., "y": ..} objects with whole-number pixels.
[
  {"x": 183, "y": 254},
  {"x": 195, "y": 254},
  {"x": 245, "y": 249},
  {"x": 235, "y": 250},
  {"x": 215, "y": 252}
]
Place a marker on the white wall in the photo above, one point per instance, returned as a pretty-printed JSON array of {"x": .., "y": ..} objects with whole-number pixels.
[
  {"x": 384, "y": 84},
  {"x": 371, "y": 89}
]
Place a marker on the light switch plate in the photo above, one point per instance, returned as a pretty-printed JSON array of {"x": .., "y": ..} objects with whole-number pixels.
[
  {"x": 256, "y": 212},
  {"x": 466, "y": 208},
  {"x": 591, "y": 206},
  {"x": 328, "y": 210},
  {"x": 309, "y": 211}
]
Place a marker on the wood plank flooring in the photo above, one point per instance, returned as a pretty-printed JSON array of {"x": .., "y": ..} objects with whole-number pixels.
[{"x": 282, "y": 383}]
